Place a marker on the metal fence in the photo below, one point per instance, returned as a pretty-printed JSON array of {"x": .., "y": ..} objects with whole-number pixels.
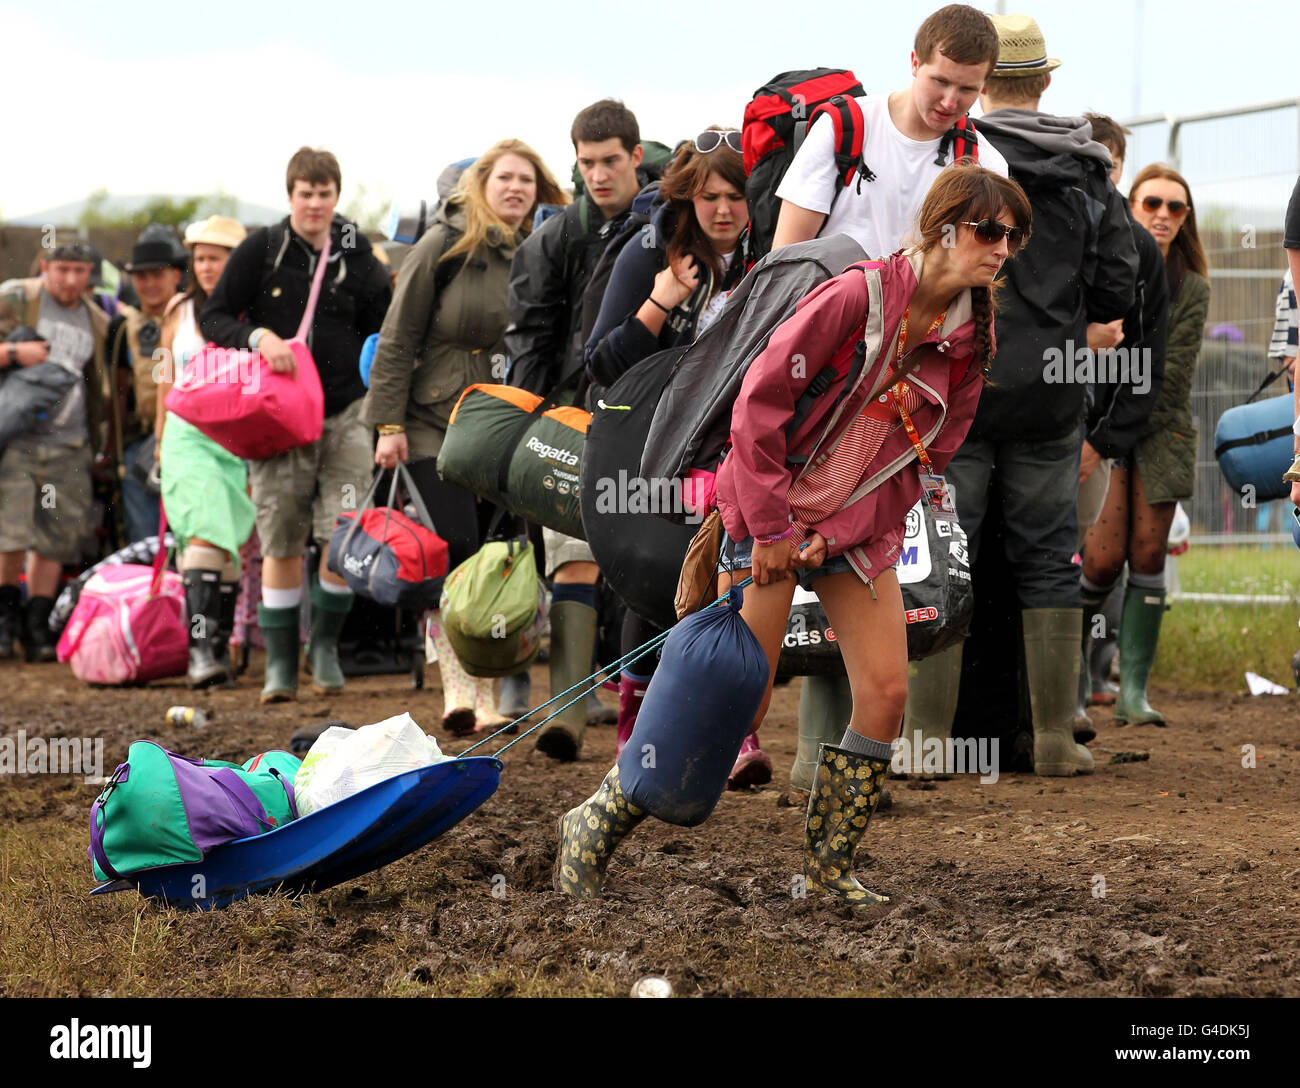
[{"x": 1241, "y": 165}]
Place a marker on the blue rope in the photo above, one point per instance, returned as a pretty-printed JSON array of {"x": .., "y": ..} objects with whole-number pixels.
[{"x": 590, "y": 684}]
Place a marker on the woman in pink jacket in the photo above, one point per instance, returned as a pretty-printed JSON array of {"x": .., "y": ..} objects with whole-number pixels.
[{"x": 911, "y": 338}]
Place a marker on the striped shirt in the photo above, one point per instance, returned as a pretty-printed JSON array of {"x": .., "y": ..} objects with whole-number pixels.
[
  {"x": 823, "y": 489},
  {"x": 1285, "y": 342}
]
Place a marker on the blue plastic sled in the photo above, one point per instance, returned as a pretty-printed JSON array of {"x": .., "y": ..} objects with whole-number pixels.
[{"x": 357, "y": 835}]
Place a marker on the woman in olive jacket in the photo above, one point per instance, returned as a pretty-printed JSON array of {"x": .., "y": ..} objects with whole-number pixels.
[
  {"x": 1146, "y": 487},
  {"x": 445, "y": 331}
]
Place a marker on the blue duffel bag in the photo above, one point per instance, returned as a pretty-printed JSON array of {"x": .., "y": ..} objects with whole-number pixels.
[
  {"x": 1253, "y": 444},
  {"x": 695, "y": 715}
]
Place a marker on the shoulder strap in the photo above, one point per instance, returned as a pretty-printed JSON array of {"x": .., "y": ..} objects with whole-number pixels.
[
  {"x": 849, "y": 127},
  {"x": 445, "y": 271},
  {"x": 962, "y": 140},
  {"x": 304, "y": 326}
]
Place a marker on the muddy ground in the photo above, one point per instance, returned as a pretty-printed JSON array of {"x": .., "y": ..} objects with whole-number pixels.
[{"x": 1178, "y": 875}]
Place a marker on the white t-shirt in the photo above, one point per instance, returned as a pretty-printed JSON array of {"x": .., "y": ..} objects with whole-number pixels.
[{"x": 882, "y": 215}]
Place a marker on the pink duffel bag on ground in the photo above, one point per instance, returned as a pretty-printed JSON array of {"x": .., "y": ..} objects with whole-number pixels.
[
  {"x": 234, "y": 397},
  {"x": 129, "y": 624}
]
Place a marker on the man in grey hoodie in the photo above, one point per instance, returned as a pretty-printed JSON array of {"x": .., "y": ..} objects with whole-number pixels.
[{"x": 1079, "y": 266}]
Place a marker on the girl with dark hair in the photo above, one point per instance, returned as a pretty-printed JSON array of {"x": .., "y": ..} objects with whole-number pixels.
[
  {"x": 1144, "y": 490},
  {"x": 666, "y": 285},
  {"x": 838, "y": 523}
]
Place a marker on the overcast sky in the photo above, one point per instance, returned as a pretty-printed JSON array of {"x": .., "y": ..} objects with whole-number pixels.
[{"x": 185, "y": 98}]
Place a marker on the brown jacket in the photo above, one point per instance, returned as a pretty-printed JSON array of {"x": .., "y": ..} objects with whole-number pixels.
[
  {"x": 436, "y": 342},
  {"x": 20, "y": 304}
]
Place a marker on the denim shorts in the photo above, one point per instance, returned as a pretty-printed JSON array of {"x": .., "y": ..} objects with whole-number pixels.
[{"x": 743, "y": 557}]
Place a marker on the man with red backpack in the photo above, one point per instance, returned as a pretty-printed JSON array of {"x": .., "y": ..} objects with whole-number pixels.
[{"x": 907, "y": 137}]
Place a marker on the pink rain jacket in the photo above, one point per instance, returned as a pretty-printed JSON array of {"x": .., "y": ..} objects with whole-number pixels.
[{"x": 864, "y": 303}]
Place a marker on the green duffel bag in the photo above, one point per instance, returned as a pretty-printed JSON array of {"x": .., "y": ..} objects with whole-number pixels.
[
  {"x": 493, "y": 609},
  {"x": 163, "y": 809},
  {"x": 505, "y": 445}
]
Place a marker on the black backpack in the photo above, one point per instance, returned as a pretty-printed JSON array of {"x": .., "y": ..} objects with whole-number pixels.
[{"x": 778, "y": 118}]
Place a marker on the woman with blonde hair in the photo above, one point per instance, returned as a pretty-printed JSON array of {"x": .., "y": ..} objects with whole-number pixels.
[
  {"x": 1146, "y": 487},
  {"x": 204, "y": 486},
  {"x": 445, "y": 331}
]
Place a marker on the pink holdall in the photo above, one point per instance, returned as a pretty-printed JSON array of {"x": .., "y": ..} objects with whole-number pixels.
[
  {"x": 234, "y": 397},
  {"x": 129, "y": 625}
]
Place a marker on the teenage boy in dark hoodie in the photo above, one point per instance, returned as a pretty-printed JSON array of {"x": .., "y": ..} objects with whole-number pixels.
[
  {"x": 258, "y": 304},
  {"x": 1079, "y": 266},
  {"x": 549, "y": 275}
]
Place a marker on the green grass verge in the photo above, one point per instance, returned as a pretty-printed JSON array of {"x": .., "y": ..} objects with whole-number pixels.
[{"x": 1205, "y": 647}]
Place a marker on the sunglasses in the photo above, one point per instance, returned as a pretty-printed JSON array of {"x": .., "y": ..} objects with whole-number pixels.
[
  {"x": 992, "y": 231},
  {"x": 1176, "y": 207},
  {"x": 712, "y": 139}
]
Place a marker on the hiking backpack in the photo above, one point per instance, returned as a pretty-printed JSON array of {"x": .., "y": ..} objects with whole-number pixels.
[
  {"x": 778, "y": 118},
  {"x": 692, "y": 423}
]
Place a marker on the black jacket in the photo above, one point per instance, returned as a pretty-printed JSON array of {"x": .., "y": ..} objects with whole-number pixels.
[
  {"x": 618, "y": 339},
  {"x": 1079, "y": 265},
  {"x": 1118, "y": 411},
  {"x": 266, "y": 283},
  {"x": 547, "y": 278}
]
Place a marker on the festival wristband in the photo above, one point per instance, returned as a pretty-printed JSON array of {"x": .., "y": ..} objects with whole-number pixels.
[
  {"x": 255, "y": 337},
  {"x": 391, "y": 428},
  {"x": 767, "y": 541},
  {"x": 655, "y": 302}
]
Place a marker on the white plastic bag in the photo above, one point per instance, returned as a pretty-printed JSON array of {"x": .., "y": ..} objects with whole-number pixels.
[{"x": 345, "y": 761}]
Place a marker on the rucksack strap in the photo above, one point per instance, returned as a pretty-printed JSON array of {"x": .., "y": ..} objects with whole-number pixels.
[
  {"x": 848, "y": 126},
  {"x": 962, "y": 140},
  {"x": 821, "y": 382}
]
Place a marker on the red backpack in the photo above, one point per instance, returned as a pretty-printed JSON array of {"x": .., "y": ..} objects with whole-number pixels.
[{"x": 778, "y": 118}]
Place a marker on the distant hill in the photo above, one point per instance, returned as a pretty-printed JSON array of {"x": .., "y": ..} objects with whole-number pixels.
[{"x": 67, "y": 215}]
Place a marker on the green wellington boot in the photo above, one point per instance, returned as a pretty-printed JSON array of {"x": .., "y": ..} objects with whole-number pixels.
[
  {"x": 933, "y": 684},
  {"x": 844, "y": 795},
  {"x": 573, "y": 638},
  {"x": 825, "y": 704},
  {"x": 1139, "y": 631},
  {"x": 328, "y": 613},
  {"x": 1052, "y": 661},
  {"x": 280, "y": 633},
  {"x": 589, "y": 834}
]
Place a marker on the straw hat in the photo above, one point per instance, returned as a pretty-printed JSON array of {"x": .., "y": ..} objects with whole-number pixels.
[
  {"x": 216, "y": 230},
  {"x": 1021, "y": 48}
]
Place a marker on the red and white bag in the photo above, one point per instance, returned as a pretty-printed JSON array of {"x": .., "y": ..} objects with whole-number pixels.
[{"x": 129, "y": 625}]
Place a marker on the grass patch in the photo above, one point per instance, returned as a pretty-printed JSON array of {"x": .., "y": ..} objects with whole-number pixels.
[
  {"x": 1206, "y": 647},
  {"x": 1254, "y": 569}
]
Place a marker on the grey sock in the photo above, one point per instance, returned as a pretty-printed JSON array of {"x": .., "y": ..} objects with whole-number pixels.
[{"x": 865, "y": 746}]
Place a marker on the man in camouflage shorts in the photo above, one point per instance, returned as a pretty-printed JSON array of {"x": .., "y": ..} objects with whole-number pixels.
[{"x": 45, "y": 496}]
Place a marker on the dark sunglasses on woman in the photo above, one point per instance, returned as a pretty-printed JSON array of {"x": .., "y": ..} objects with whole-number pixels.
[
  {"x": 991, "y": 231},
  {"x": 712, "y": 139},
  {"x": 1176, "y": 207}
]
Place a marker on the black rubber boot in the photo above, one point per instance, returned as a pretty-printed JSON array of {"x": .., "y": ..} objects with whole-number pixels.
[
  {"x": 280, "y": 633},
  {"x": 39, "y": 643},
  {"x": 202, "y": 624},
  {"x": 225, "y": 628},
  {"x": 10, "y": 618}
]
